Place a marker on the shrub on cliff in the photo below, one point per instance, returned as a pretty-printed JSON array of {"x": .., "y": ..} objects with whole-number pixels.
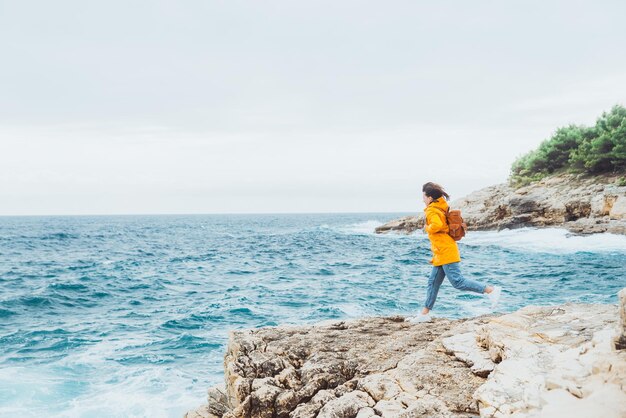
[{"x": 592, "y": 150}]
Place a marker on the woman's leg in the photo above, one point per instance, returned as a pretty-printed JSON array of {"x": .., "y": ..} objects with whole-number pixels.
[
  {"x": 453, "y": 271},
  {"x": 434, "y": 281}
]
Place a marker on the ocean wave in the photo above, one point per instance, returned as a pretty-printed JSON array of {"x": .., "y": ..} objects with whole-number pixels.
[
  {"x": 33, "y": 301},
  {"x": 196, "y": 321},
  {"x": 548, "y": 240},
  {"x": 368, "y": 227},
  {"x": 5, "y": 313},
  {"x": 325, "y": 312},
  {"x": 161, "y": 391},
  {"x": 60, "y": 236},
  {"x": 195, "y": 258},
  {"x": 75, "y": 287}
]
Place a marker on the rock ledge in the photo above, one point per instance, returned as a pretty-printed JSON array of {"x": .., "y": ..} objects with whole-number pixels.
[{"x": 539, "y": 361}]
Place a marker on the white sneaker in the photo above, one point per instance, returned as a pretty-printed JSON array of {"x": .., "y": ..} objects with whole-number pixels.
[
  {"x": 494, "y": 296},
  {"x": 419, "y": 318}
]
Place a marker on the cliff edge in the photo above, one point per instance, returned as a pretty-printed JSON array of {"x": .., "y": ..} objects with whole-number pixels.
[{"x": 560, "y": 361}]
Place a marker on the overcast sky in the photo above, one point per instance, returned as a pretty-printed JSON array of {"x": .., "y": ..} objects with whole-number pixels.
[{"x": 117, "y": 107}]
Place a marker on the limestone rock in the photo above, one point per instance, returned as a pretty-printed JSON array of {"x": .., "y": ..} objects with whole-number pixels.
[
  {"x": 464, "y": 347},
  {"x": 618, "y": 210},
  {"x": 428, "y": 407},
  {"x": 537, "y": 362},
  {"x": 389, "y": 408},
  {"x": 366, "y": 413},
  {"x": 201, "y": 412},
  {"x": 218, "y": 403},
  {"x": 551, "y": 357},
  {"x": 379, "y": 386},
  {"x": 347, "y": 406},
  {"x": 311, "y": 408},
  {"x": 338, "y": 368},
  {"x": 405, "y": 225}
]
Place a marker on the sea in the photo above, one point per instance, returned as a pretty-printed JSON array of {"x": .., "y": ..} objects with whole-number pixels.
[{"x": 129, "y": 316}]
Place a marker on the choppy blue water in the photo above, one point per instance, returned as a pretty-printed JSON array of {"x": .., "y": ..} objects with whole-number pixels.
[{"x": 129, "y": 315}]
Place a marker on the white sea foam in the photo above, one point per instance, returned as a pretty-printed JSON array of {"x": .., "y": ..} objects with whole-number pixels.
[
  {"x": 353, "y": 310},
  {"x": 142, "y": 392},
  {"x": 366, "y": 227},
  {"x": 155, "y": 393},
  {"x": 550, "y": 240}
]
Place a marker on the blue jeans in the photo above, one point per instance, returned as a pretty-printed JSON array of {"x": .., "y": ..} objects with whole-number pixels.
[{"x": 453, "y": 271}]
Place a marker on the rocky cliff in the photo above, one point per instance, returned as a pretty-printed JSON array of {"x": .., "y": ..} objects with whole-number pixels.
[
  {"x": 561, "y": 361},
  {"x": 582, "y": 204}
]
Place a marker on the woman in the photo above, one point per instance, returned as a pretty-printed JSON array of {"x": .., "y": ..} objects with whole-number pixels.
[{"x": 446, "y": 258}]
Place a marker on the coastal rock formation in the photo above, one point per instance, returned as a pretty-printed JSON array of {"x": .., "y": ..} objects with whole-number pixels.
[
  {"x": 554, "y": 362},
  {"x": 584, "y": 205},
  {"x": 405, "y": 225},
  {"x": 340, "y": 369},
  {"x": 538, "y": 361}
]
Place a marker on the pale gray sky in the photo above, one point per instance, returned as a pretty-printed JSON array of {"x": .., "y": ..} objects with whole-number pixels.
[{"x": 288, "y": 106}]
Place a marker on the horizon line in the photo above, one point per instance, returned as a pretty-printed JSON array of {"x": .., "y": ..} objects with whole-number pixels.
[{"x": 202, "y": 214}]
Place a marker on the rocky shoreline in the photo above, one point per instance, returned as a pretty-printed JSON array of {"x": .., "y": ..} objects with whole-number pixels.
[
  {"x": 581, "y": 204},
  {"x": 560, "y": 361}
]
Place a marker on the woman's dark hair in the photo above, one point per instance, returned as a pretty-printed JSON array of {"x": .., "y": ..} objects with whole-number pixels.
[{"x": 434, "y": 190}]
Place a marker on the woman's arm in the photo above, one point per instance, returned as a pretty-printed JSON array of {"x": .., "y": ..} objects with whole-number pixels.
[{"x": 433, "y": 223}]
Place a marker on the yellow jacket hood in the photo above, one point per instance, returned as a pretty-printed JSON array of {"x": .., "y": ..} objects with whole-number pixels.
[{"x": 440, "y": 203}]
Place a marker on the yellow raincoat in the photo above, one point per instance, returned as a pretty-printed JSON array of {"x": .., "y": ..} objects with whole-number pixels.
[{"x": 445, "y": 250}]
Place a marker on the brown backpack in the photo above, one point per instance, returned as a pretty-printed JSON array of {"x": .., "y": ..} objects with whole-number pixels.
[{"x": 456, "y": 226}]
